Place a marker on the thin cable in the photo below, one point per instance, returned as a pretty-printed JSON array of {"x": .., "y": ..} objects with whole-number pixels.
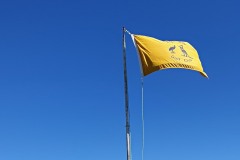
[
  {"x": 142, "y": 121},
  {"x": 128, "y": 32}
]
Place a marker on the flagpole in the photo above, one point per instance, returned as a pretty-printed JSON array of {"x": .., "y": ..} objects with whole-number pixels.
[{"x": 128, "y": 138}]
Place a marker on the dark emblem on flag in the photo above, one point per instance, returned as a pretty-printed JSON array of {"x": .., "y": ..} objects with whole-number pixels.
[
  {"x": 185, "y": 54},
  {"x": 172, "y": 48}
]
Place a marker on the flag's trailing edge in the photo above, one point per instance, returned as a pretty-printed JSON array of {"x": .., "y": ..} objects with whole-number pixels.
[{"x": 156, "y": 55}]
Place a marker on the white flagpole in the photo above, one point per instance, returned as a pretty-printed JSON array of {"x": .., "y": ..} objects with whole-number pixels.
[{"x": 128, "y": 136}]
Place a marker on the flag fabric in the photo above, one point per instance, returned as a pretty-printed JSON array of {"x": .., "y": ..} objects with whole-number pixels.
[{"x": 156, "y": 55}]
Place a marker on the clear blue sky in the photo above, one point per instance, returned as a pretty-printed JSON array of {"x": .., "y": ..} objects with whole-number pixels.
[{"x": 61, "y": 81}]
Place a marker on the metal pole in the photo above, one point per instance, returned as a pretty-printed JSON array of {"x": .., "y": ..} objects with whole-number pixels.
[{"x": 126, "y": 98}]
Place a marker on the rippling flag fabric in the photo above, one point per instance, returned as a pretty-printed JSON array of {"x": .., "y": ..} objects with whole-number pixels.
[{"x": 156, "y": 55}]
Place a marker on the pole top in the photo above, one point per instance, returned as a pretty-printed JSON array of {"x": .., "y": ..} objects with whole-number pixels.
[{"x": 124, "y": 29}]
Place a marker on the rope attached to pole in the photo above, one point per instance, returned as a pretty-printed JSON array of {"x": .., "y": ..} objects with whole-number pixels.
[
  {"x": 126, "y": 99},
  {"x": 142, "y": 119}
]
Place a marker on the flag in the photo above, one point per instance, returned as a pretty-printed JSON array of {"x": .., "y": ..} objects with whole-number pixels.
[{"x": 156, "y": 55}]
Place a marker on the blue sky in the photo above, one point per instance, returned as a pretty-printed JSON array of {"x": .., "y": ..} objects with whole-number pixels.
[{"x": 61, "y": 85}]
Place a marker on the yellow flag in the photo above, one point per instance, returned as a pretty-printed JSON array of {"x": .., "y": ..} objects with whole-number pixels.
[{"x": 157, "y": 55}]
